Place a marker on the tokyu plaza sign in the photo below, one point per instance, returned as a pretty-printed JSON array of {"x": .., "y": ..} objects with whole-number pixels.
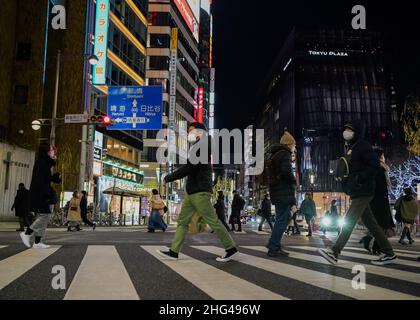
[{"x": 328, "y": 53}]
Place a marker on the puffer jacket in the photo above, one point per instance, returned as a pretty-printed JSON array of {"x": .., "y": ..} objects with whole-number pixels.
[
  {"x": 199, "y": 176},
  {"x": 364, "y": 165},
  {"x": 284, "y": 191}
]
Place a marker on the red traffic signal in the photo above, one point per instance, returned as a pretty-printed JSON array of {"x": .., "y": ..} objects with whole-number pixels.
[{"x": 102, "y": 120}]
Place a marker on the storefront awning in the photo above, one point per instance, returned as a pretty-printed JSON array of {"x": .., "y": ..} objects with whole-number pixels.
[{"x": 121, "y": 192}]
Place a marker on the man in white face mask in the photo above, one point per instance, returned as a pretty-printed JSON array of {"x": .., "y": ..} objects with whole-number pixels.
[
  {"x": 360, "y": 185},
  {"x": 199, "y": 188}
]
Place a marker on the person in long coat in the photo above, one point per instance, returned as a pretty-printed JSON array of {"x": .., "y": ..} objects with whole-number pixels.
[
  {"x": 21, "y": 206},
  {"x": 42, "y": 195},
  {"x": 265, "y": 213},
  {"x": 74, "y": 216},
  {"x": 157, "y": 207},
  {"x": 380, "y": 205}
]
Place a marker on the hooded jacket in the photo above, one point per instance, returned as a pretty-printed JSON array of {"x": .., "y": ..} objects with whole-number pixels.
[
  {"x": 284, "y": 191},
  {"x": 199, "y": 176},
  {"x": 364, "y": 164}
]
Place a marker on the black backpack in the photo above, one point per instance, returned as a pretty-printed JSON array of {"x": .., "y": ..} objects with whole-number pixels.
[{"x": 343, "y": 169}]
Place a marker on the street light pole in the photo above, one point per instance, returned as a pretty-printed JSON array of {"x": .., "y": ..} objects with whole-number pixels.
[{"x": 54, "y": 112}]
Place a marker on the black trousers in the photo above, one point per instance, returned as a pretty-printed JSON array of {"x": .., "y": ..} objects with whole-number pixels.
[
  {"x": 86, "y": 220},
  {"x": 224, "y": 223},
  {"x": 263, "y": 219},
  {"x": 236, "y": 219}
]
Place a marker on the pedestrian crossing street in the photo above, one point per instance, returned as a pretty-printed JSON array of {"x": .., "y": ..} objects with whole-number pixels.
[{"x": 133, "y": 272}]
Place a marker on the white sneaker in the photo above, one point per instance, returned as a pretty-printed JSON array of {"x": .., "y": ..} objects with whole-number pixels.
[
  {"x": 40, "y": 246},
  {"x": 26, "y": 239}
]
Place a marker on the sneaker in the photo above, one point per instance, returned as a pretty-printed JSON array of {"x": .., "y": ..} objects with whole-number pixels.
[
  {"x": 40, "y": 246},
  {"x": 168, "y": 254},
  {"x": 384, "y": 260},
  {"x": 402, "y": 242},
  {"x": 230, "y": 254},
  {"x": 278, "y": 254},
  {"x": 26, "y": 239},
  {"x": 411, "y": 241},
  {"x": 328, "y": 255}
]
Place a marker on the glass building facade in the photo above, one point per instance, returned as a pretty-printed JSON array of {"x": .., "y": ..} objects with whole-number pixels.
[{"x": 321, "y": 80}]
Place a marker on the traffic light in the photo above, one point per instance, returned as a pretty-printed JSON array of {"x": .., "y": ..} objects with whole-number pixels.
[{"x": 102, "y": 120}]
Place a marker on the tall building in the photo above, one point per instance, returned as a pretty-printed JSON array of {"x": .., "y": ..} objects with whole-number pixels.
[
  {"x": 320, "y": 80},
  {"x": 174, "y": 34},
  {"x": 116, "y": 32}
]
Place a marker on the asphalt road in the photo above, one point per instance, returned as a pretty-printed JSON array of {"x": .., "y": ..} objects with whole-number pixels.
[{"x": 121, "y": 263}]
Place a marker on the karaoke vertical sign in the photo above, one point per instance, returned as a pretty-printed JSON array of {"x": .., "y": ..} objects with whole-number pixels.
[{"x": 101, "y": 41}]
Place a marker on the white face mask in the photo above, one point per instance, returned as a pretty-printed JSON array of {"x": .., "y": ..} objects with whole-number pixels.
[{"x": 348, "y": 135}]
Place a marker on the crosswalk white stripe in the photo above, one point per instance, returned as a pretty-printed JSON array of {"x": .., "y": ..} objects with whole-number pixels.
[
  {"x": 15, "y": 266},
  {"x": 385, "y": 272},
  {"x": 216, "y": 283},
  {"x": 1, "y": 247},
  {"x": 363, "y": 256},
  {"x": 400, "y": 253},
  {"x": 101, "y": 276},
  {"x": 319, "y": 279}
]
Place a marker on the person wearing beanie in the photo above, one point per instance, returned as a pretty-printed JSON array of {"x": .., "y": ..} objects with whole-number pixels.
[
  {"x": 360, "y": 185},
  {"x": 282, "y": 190}
]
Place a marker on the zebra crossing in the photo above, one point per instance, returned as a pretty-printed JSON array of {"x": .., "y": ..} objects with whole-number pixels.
[{"x": 135, "y": 271}]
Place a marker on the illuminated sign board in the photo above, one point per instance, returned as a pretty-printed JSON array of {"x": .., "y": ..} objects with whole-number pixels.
[
  {"x": 122, "y": 174},
  {"x": 101, "y": 41},
  {"x": 189, "y": 17},
  {"x": 195, "y": 6},
  {"x": 328, "y": 53}
]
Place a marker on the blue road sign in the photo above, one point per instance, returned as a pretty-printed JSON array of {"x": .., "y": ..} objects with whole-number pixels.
[{"x": 135, "y": 108}]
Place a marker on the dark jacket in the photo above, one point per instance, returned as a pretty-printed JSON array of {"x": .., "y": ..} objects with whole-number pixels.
[
  {"x": 199, "y": 176},
  {"x": 333, "y": 211},
  {"x": 266, "y": 208},
  {"x": 21, "y": 204},
  {"x": 220, "y": 208},
  {"x": 407, "y": 206},
  {"x": 237, "y": 205},
  {"x": 41, "y": 193},
  {"x": 364, "y": 165},
  {"x": 380, "y": 203},
  {"x": 284, "y": 191},
  {"x": 308, "y": 209},
  {"x": 83, "y": 206}
]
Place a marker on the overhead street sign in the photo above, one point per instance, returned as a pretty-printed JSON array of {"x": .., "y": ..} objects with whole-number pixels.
[{"x": 136, "y": 107}]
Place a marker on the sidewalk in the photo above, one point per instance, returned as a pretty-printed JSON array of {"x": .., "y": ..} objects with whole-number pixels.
[{"x": 12, "y": 226}]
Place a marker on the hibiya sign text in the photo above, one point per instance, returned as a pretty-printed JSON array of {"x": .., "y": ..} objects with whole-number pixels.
[
  {"x": 328, "y": 53},
  {"x": 189, "y": 17},
  {"x": 101, "y": 40}
]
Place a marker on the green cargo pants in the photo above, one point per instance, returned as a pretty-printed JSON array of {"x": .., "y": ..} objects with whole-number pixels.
[{"x": 199, "y": 203}]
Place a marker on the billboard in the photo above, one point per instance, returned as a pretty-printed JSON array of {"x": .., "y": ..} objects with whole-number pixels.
[
  {"x": 195, "y": 6},
  {"x": 188, "y": 16},
  {"x": 135, "y": 107},
  {"x": 205, "y": 5},
  {"x": 101, "y": 41}
]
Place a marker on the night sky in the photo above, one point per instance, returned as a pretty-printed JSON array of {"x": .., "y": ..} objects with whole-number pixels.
[{"x": 249, "y": 34}]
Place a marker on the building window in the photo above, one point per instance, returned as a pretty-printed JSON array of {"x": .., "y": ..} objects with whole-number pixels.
[
  {"x": 23, "y": 52},
  {"x": 21, "y": 95}
]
